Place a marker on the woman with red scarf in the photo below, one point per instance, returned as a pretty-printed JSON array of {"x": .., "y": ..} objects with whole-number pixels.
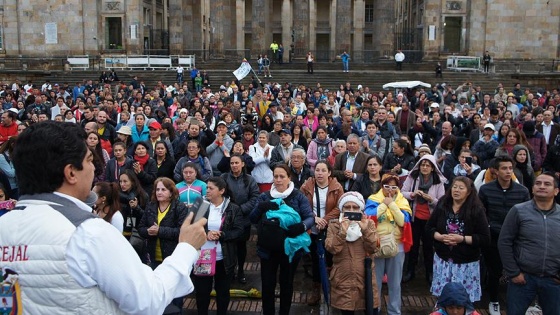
[{"x": 144, "y": 166}]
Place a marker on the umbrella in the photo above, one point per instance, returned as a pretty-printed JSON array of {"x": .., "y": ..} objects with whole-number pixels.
[
  {"x": 405, "y": 84},
  {"x": 369, "y": 286},
  {"x": 323, "y": 271}
]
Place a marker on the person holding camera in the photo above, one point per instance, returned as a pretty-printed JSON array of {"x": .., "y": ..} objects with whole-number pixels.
[
  {"x": 350, "y": 239},
  {"x": 423, "y": 187}
]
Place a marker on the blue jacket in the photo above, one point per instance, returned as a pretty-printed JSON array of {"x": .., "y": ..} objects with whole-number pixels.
[
  {"x": 144, "y": 135},
  {"x": 288, "y": 216}
]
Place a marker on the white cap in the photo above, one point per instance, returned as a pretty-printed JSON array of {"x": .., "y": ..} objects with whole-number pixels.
[
  {"x": 490, "y": 126},
  {"x": 434, "y": 105}
]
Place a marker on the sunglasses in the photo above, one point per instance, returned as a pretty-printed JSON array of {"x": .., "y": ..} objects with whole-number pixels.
[{"x": 391, "y": 187}]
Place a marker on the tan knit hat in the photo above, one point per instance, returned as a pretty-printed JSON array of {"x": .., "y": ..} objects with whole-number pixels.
[{"x": 424, "y": 148}]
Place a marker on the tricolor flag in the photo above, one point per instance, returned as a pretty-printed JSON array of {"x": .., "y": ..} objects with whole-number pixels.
[{"x": 243, "y": 70}]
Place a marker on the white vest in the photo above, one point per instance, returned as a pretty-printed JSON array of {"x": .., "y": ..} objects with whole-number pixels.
[{"x": 36, "y": 239}]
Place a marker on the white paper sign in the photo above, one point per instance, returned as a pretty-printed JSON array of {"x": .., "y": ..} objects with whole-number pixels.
[
  {"x": 432, "y": 32},
  {"x": 51, "y": 33},
  {"x": 134, "y": 31}
]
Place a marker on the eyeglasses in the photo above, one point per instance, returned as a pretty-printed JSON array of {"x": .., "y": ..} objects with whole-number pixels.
[{"x": 390, "y": 187}]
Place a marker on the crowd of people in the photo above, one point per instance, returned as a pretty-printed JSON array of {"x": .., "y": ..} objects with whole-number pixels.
[{"x": 471, "y": 177}]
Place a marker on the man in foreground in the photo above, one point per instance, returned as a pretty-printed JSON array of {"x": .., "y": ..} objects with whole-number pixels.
[
  {"x": 530, "y": 249},
  {"x": 73, "y": 261}
]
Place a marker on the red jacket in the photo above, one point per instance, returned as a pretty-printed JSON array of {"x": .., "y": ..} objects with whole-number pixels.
[{"x": 7, "y": 132}]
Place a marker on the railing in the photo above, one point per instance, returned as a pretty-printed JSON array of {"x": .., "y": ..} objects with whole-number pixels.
[{"x": 148, "y": 62}]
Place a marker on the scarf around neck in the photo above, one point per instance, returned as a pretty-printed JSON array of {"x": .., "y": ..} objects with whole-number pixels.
[
  {"x": 274, "y": 193},
  {"x": 424, "y": 186},
  {"x": 141, "y": 160}
]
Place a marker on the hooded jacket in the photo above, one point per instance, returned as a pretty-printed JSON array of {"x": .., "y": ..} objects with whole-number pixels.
[
  {"x": 454, "y": 294},
  {"x": 412, "y": 182}
]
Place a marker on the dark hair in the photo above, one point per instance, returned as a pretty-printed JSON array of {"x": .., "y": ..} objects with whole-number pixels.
[
  {"x": 202, "y": 151},
  {"x": 111, "y": 193},
  {"x": 547, "y": 173},
  {"x": 167, "y": 154},
  {"x": 472, "y": 203},
  {"x": 169, "y": 184},
  {"x": 416, "y": 173},
  {"x": 220, "y": 183},
  {"x": 9, "y": 145},
  {"x": 404, "y": 144},
  {"x": 136, "y": 187},
  {"x": 193, "y": 166},
  {"x": 98, "y": 159},
  {"x": 502, "y": 159},
  {"x": 283, "y": 166},
  {"x": 377, "y": 158},
  {"x": 58, "y": 145},
  {"x": 329, "y": 167},
  {"x": 170, "y": 130},
  {"x": 142, "y": 143}
]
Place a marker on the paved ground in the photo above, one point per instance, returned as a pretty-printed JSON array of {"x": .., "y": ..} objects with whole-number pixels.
[{"x": 416, "y": 296}]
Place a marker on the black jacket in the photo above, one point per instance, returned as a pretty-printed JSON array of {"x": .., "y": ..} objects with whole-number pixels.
[
  {"x": 498, "y": 202},
  {"x": 113, "y": 171},
  {"x": 169, "y": 227},
  {"x": 475, "y": 226},
  {"x": 232, "y": 231}
]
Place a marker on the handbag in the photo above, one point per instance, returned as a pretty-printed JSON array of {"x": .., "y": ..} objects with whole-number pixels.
[
  {"x": 388, "y": 247},
  {"x": 206, "y": 264},
  {"x": 137, "y": 241}
]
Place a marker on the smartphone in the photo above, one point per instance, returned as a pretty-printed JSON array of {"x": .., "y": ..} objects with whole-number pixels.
[
  {"x": 8, "y": 204},
  {"x": 200, "y": 208},
  {"x": 468, "y": 160},
  {"x": 353, "y": 216}
]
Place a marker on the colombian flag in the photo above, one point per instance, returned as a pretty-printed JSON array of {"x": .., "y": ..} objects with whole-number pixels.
[{"x": 371, "y": 210}]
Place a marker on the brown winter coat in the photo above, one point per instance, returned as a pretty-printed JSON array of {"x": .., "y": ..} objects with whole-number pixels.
[
  {"x": 334, "y": 192},
  {"x": 348, "y": 275}
]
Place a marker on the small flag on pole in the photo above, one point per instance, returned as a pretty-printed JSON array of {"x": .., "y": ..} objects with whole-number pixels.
[{"x": 243, "y": 70}]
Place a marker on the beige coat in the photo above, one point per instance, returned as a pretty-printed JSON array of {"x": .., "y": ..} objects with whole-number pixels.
[{"x": 348, "y": 274}]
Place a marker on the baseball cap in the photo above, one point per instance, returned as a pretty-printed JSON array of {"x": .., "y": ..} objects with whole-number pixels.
[
  {"x": 154, "y": 125},
  {"x": 286, "y": 131},
  {"x": 221, "y": 123},
  {"x": 490, "y": 126},
  {"x": 434, "y": 105}
]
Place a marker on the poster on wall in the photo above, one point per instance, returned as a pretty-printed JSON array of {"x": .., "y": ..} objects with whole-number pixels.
[{"x": 51, "y": 33}]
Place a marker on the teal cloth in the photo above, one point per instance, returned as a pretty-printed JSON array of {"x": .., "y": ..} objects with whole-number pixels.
[{"x": 288, "y": 216}]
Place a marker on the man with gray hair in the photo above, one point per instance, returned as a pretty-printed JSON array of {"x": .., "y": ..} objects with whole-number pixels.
[{"x": 300, "y": 169}]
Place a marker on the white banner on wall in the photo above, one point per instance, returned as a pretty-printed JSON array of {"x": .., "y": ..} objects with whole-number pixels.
[{"x": 51, "y": 33}]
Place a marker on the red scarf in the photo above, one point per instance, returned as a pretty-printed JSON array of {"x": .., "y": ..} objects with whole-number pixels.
[{"x": 141, "y": 160}]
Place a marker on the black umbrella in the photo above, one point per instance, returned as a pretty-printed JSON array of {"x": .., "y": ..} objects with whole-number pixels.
[
  {"x": 369, "y": 286},
  {"x": 323, "y": 271}
]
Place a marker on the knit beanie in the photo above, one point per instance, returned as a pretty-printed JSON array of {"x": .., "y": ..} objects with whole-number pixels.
[{"x": 351, "y": 196}]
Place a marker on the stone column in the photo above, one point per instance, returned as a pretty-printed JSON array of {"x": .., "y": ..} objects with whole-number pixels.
[
  {"x": 240, "y": 20},
  {"x": 301, "y": 27},
  {"x": 432, "y": 16},
  {"x": 344, "y": 19},
  {"x": 177, "y": 16},
  {"x": 359, "y": 23},
  {"x": 312, "y": 25},
  {"x": 332, "y": 20},
  {"x": 261, "y": 28},
  {"x": 165, "y": 17},
  {"x": 384, "y": 26},
  {"x": 286, "y": 28},
  {"x": 223, "y": 27}
]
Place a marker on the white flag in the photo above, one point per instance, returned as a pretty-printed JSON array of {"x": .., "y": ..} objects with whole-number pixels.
[{"x": 243, "y": 70}]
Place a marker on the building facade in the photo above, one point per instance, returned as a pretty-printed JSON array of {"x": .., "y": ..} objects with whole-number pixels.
[{"x": 367, "y": 29}]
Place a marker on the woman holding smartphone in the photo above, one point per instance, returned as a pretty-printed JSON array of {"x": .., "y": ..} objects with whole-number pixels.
[
  {"x": 225, "y": 227},
  {"x": 350, "y": 241}
]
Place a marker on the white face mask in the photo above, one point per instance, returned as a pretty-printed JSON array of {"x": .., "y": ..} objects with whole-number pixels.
[{"x": 354, "y": 231}]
